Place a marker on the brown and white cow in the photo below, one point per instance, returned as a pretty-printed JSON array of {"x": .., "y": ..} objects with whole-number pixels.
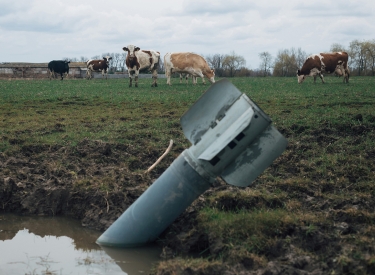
[
  {"x": 187, "y": 62},
  {"x": 98, "y": 65},
  {"x": 141, "y": 60},
  {"x": 317, "y": 64}
]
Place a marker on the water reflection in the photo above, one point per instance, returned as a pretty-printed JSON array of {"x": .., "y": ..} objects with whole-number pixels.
[{"x": 43, "y": 245}]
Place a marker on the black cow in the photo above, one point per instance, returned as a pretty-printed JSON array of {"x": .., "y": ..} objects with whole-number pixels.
[{"x": 58, "y": 66}]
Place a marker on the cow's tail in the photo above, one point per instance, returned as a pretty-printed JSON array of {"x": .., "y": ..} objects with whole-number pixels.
[{"x": 157, "y": 62}]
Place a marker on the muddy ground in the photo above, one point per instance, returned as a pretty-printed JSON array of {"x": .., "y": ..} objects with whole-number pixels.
[{"x": 57, "y": 180}]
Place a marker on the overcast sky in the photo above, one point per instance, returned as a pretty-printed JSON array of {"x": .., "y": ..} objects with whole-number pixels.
[{"x": 44, "y": 30}]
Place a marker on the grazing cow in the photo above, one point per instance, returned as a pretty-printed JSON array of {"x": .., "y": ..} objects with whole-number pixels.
[
  {"x": 59, "y": 67},
  {"x": 98, "y": 65},
  {"x": 194, "y": 78},
  {"x": 141, "y": 60},
  {"x": 317, "y": 64},
  {"x": 186, "y": 62}
]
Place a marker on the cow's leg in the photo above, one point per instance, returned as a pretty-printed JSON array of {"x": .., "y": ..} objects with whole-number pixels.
[
  {"x": 180, "y": 78},
  {"x": 342, "y": 70},
  {"x": 203, "y": 81},
  {"x": 321, "y": 77},
  {"x": 347, "y": 75},
  {"x": 61, "y": 74},
  {"x": 154, "y": 81},
  {"x": 168, "y": 76},
  {"x": 154, "y": 78},
  {"x": 136, "y": 78},
  {"x": 200, "y": 74},
  {"x": 130, "y": 79},
  {"x": 194, "y": 80}
]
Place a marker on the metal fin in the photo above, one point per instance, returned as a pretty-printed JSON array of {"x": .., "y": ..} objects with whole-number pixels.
[
  {"x": 256, "y": 158},
  {"x": 211, "y": 106}
]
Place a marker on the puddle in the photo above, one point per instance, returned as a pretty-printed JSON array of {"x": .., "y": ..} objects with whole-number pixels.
[{"x": 60, "y": 245}]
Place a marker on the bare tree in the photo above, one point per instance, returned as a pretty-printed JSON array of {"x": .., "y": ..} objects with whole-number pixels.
[
  {"x": 115, "y": 61},
  {"x": 233, "y": 62},
  {"x": 287, "y": 62},
  {"x": 301, "y": 57},
  {"x": 123, "y": 61},
  {"x": 369, "y": 48},
  {"x": 70, "y": 59},
  {"x": 266, "y": 62},
  {"x": 284, "y": 62},
  {"x": 216, "y": 62},
  {"x": 336, "y": 47},
  {"x": 357, "y": 53},
  {"x": 161, "y": 66}
]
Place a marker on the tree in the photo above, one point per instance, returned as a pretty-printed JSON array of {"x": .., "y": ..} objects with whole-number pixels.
[
  {"x": 336, "y": 47},
  {"x": 357, "y": 53},
  {"x": 301, "y": 57},
  {"x": 266, "y": 61},
  {"x": 123, "y": 61},
  {"x": 161, "y": 69},
  {"x": 216, "y": 62},
  {"x": 233, "y": 62},
  {"x": 369, "y": 48},
  {"x": 285, "y": 63}
]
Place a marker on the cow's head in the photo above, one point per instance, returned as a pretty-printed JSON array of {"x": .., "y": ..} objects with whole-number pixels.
[
  {"x": 66, "y": 65},
  {"x": 301, "y": 77},
  {"x": 131, "y": 49},
  {"x": 211, "y": 75},
  {"x": 106, "y": 59}
]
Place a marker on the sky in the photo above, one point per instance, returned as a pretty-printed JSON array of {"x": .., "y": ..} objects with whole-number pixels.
[{"x": 45, "y": 30}]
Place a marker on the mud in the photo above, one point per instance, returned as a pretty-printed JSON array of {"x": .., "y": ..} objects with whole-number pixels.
[
  {"x": 95, "y": 182},
  {"x": 89, "y": 181}
]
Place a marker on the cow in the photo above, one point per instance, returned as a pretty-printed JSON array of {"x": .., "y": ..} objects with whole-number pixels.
[
  {"x": 316, "y": 64},
  {"x": 98, "y": 65},
  {"x": 59, "y": 67},
  {"x": 138, "y": 60},
  {"x": 194, "y": 78},
  {"x": 187, "y": 62}
]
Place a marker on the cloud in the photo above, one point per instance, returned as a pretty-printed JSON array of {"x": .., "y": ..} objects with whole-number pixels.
[
  {"x": 43, "y": 29},
  {"x": 217, "y": 7}
]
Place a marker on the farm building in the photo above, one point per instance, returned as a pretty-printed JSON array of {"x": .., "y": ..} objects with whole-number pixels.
[{"x": 38, "y": 70}]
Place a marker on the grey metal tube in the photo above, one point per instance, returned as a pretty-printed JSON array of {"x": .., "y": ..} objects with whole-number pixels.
[{"x": 157, "y": 207}]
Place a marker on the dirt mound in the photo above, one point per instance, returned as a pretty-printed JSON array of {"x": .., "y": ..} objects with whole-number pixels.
[{"x": 93, "y": 181}]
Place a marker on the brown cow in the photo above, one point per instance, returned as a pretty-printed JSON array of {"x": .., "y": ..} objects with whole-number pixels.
[
  {"x": 187, "y": 62},
  {"x": 141, "y": 60},
  {"x": 317, "y": 64},
  {"x": 99, "y": 65}
]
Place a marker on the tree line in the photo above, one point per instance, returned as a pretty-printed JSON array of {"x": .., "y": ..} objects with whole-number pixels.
[{"x": 285, "y": 63}]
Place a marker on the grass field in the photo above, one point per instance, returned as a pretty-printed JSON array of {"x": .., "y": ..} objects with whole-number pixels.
[{"x": 316, "y": 201}]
